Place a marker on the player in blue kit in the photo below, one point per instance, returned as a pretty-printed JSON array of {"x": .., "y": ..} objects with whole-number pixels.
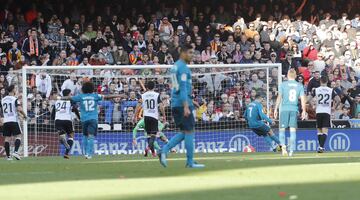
[
  {"x": 182, "y": 107},
  {"x": 88, "y": 101},
  {"x": 289, "y": 93},
  {"x": 255, "y": 118}
]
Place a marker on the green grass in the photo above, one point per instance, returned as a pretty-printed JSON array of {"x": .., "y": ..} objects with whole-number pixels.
[{"x": 257, "y": 176}]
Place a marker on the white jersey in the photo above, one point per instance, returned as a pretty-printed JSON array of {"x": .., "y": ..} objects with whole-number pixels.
[
  {"x": 9, "y": 106},
  {"x": 63, "y": 110},
  {"x": 150, "y": 104},
  {"x": 324, "y": 97}
]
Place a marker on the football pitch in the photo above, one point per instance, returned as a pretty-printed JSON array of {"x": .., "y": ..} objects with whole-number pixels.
[{"x": 240, "y": 176}]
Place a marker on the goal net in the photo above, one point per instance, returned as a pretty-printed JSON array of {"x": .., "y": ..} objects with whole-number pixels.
[{"x": 221, "y": 91}]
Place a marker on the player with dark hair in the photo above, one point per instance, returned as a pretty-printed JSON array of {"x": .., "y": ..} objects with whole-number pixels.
[
  {"x": 324, "y": 96},
  {"x": 62, "y": 113},
  {"x": 255, "y": 118},
  {"x": 11, "y": 127},
  {"x": 88, "y": 101},
  {"x": 182, "y": 107},
  {"x": 151, "y": 104}
]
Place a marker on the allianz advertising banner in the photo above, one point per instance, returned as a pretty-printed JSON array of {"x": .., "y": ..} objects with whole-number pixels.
[{"x": 226, "y": 141}]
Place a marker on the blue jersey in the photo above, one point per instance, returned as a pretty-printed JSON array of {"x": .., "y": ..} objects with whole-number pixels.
[
  {"x": 181, "y": 84},
  {"x": 254, "y": 115},
  {"x": 88, "y": 105},
  {"x": 290, "y": 92}
]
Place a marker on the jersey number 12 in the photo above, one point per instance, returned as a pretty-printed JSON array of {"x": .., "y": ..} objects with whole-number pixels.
[{"x": 89, "y": 105}]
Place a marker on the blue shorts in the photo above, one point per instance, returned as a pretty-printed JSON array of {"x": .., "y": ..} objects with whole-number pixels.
[
  {"x": 288, "y": 119},
  {"x": 181, "y": 122},
  {"x": 90, "y": 127},
  {"x": 263, "y": 130}
]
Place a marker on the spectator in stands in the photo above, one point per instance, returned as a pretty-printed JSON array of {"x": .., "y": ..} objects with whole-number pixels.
[
  {"x": 62, "y": 42},
  {"x": 31, "y": 46},
  {"x": 314, "y": 82},
  {"x": 310, "y": 52},
  {"x": 44, "y": 84},
  {"x": 330, "y": 47},
  {"x": 106, "y": 55},
  {"x": 14, "y": 54},
  {"x": 166, "y": 30},
  {"x": 345, "y": 113},
  {"x": 69, "y": 83}
]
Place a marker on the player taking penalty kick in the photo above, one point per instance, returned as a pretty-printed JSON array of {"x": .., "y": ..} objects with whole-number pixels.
[
  {"x": 182, "y": 107},
  {"x": 289, "y": 93},
  {"x": 255, "y": 118}
]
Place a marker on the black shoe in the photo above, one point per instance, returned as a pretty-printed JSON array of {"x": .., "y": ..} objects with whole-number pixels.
[
  {"x": 277, "y": 148},
  {"x": 321, "y": 150}
]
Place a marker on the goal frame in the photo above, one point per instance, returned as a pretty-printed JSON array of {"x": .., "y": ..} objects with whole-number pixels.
[{"x": 26, "y": 69}]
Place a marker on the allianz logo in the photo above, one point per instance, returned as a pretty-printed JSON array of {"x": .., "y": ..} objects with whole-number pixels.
[
  {"x": 238, "y": 142},
  {"x": 339, "y": 142}
]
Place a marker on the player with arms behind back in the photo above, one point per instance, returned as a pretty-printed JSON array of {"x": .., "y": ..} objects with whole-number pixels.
[
  {"x": 324, "y": 96},
  {"x": 289, "y": 93},
  {"x": 64, "y": 121},
  {"x": 11, "y": 127},
  {"x": 151, "y": 104},
  {"x": 182, "y": 106},
  {"x": 255, "y": 118}
]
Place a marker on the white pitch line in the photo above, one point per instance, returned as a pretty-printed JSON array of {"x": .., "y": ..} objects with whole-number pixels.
[
  {"x": 25, "y": 173},
  {"x": 240, "y": 157}
]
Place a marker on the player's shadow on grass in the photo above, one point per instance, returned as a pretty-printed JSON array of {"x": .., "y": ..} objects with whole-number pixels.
[{"x": 306, "y": 191}]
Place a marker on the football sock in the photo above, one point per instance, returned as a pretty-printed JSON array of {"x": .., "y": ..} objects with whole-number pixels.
[
  {"x": 17, "y": 145},
  {"x": 189, "y": 146},
  {"x": 63, "y": 141},
  {"x": 268, "y": 140},
  {"x": 85, "y": 144},
  {"x": 173, "y": 142},
  {"x": 275, "y": 139},
  {"x": 292, "y": 140},
  {"x": 322, "y": 140},
  {"x": 319, "y": 138},
  {"x": 7, "y": 148},
  {"x": 282, "y": 136},
  {"x": 90, "y": 145},
  {"x": 151, "y": 141},
  {"x": 70, "y": 142}
]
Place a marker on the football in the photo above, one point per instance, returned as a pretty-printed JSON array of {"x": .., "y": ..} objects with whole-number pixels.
[{"x": 248, "y": 149}]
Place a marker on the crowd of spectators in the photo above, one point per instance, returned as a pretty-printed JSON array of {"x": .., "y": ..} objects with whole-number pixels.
[{"x": 316, "y": 38}]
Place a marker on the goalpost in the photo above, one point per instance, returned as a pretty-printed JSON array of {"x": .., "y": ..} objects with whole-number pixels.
[{"x": 220, "y": 129}]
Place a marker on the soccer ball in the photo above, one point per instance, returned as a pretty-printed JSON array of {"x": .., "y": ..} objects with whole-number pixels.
[{"x": 248, "y": 149}]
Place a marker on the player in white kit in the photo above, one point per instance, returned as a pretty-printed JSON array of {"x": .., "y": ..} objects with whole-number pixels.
[
  {"x": 11, "y": 127},
  {"x": 324, "y": 96},
  {"x": 151, "y": 104},
  {"x": 64, "y": 121}
]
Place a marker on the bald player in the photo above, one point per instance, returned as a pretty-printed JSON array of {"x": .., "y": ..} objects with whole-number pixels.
[{"x": 287, "y": 101}]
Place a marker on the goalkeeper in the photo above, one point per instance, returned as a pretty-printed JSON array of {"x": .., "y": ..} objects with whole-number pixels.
[{"x": 141, "y": 125}]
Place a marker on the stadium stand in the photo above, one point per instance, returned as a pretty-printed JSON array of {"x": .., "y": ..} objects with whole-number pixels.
[{"x": 324, "y": 40}]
